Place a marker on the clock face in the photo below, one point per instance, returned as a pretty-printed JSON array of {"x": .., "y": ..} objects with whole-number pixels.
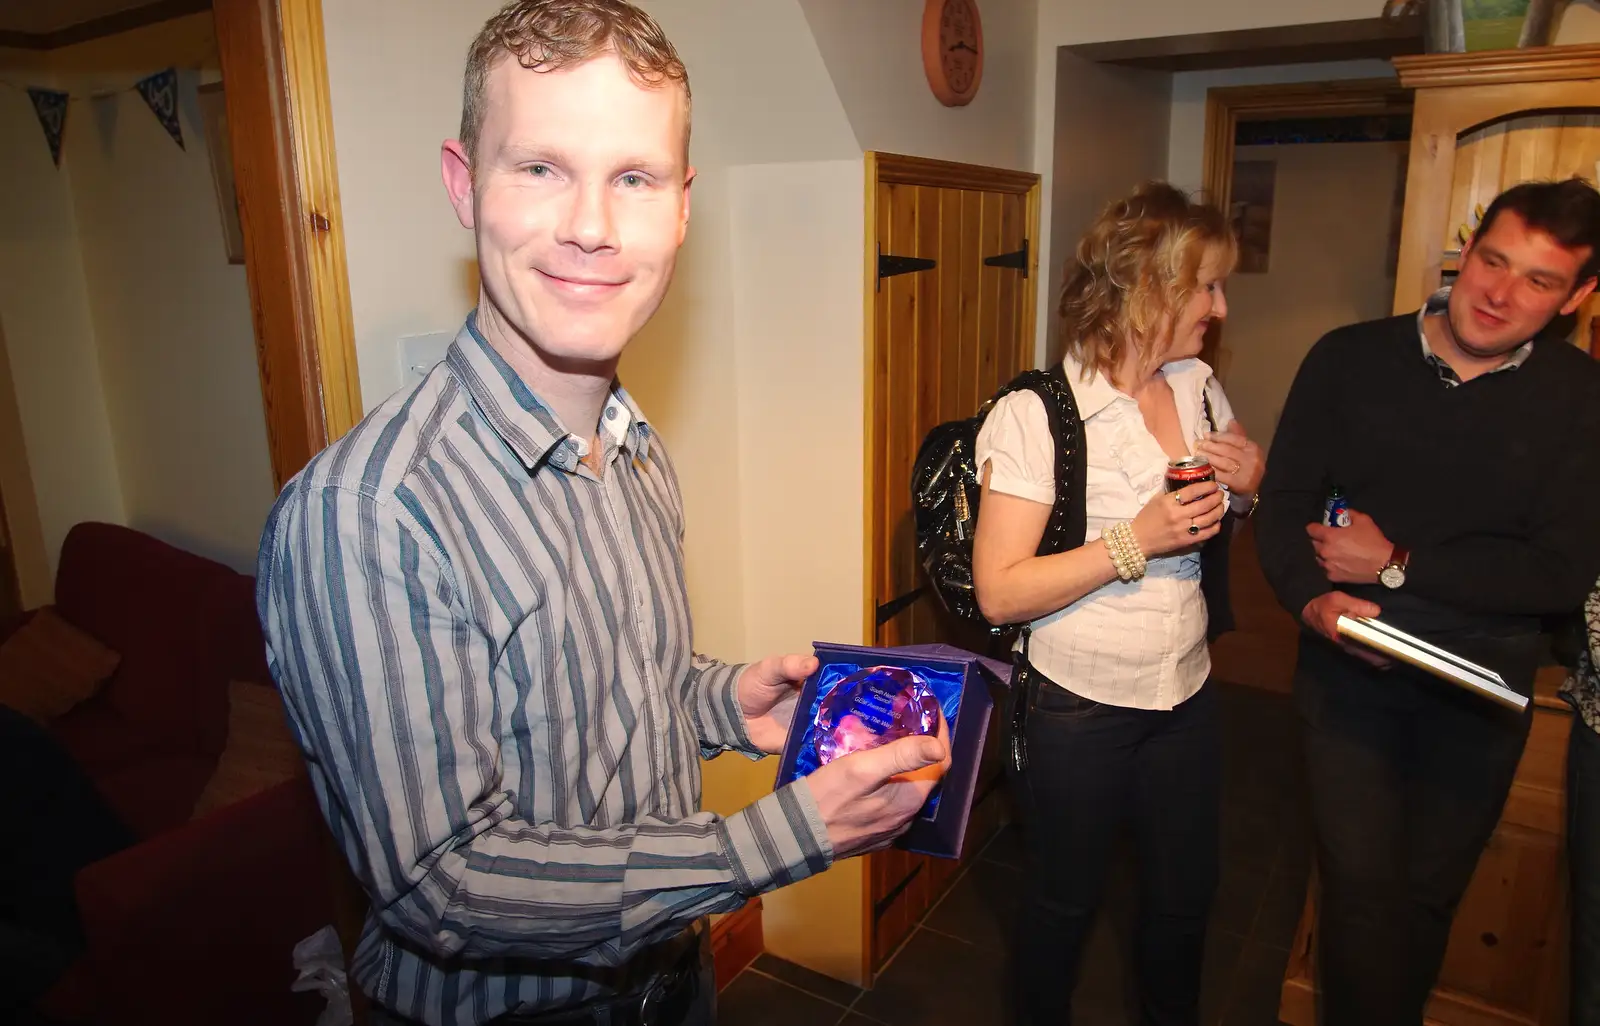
[{"x": 952, "y": 49}]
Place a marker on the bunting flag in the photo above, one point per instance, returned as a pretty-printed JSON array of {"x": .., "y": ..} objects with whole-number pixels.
[
  {"x": 51, "y": 106},
  {"x": 160, "y": 91}
]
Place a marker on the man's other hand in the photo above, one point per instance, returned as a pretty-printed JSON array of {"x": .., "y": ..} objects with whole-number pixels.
[
  {"x": 867, "y": 798},
  {"x": 1322, "y": 614},
  {"x": 1351, "y": 555},
  {"x": 768, "y": 691}
]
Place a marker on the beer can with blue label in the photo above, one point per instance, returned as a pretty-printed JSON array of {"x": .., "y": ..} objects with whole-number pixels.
[{"x": 1336, "y": 510}]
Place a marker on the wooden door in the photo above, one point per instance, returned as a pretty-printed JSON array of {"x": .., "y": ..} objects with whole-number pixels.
[{"x": 947, "y": 330}]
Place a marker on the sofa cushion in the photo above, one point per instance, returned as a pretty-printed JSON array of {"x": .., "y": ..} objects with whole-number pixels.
[
  {"x": 261, "y": 750},
  {"x": 49, "y": 666},
  {"x": 168, "y": 700}
]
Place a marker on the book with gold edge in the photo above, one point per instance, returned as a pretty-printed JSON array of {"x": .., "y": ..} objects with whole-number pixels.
[{"x": 1447, "y": 666}]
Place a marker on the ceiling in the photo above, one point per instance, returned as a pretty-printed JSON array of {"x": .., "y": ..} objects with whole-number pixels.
[{"x": 41, "y": 17}]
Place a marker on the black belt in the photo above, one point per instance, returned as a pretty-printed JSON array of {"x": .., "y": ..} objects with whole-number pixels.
[{"x": 666, "y": 1000}]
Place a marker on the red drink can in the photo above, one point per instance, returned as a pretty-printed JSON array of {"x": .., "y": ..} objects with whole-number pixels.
[{"x": 1187, "y": 471}]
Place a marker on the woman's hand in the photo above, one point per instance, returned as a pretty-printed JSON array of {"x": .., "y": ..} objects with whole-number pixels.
[
  {"x": 1164, "y": 525},
  {"x": 1238, "y": 462}
]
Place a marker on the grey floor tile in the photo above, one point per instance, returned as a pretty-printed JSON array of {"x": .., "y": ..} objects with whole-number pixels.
[
  {"x": 940, "y": 981},
  {"x": 826, "y": 987},
  {"x": 1007, "y": 848},
  {"x": 754, "y": 999},
  {"x": 982, "y": 907}
]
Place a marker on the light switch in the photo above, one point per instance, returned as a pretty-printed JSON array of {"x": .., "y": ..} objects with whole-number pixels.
[{"x": 419, "y": 354}]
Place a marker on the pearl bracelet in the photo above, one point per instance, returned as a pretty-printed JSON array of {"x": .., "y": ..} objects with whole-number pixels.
[{"x": 1126, "y": 555}]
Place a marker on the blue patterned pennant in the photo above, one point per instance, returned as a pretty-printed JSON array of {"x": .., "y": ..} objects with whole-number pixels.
[
  {"x": 160, "y": 91},
  {"x": 51, "y": 107}
]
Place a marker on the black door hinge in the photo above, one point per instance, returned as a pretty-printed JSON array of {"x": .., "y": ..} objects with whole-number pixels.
[
  {"x": 1017, "y": 260},
  {"x": 889, "y": 266}
]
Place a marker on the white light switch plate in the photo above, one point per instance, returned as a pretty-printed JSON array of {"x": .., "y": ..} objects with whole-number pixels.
[{"x": 419, "y": 353}]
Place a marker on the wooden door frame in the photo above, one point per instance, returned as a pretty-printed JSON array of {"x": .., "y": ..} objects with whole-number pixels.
[
  {"x": 274, "y": 68},
  {"x": 1226, "y": 106},
  {"x": 899, "y": 169}
]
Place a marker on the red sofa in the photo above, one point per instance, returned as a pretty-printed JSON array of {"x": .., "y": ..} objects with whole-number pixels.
[{"x": 196, "y": 923}]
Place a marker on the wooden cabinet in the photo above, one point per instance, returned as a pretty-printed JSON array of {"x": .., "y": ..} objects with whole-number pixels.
[{"x": 1482, "y": 123}]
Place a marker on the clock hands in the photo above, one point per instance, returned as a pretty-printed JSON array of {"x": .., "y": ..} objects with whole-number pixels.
[{"x": 963, "y": 46}]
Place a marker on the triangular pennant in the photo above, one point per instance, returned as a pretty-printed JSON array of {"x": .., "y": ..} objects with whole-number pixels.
[
  {"x": 51, "y": 107},
  {"x": 160, "y": 91}
]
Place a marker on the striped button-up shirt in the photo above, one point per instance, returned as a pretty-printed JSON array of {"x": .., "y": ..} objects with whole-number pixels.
[{"x": 484, "y": 651}]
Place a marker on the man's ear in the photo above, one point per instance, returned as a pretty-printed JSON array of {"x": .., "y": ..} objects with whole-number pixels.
[
  {"x": 456, "y": 169},
  {"x": 1579, "y": 294},
  {"x": 688, "y": 186}
]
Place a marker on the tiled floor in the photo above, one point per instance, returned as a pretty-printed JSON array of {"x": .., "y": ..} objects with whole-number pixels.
[{"x": 966, "y": 937}]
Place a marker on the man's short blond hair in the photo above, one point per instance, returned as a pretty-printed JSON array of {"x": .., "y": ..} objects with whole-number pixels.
[
  {"x": 548, "y": 35},
  {"x": 1136, "y": 267}
]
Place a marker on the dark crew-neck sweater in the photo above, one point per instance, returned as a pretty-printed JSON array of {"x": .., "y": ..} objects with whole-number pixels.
[{"x": 1494, "y": 485}]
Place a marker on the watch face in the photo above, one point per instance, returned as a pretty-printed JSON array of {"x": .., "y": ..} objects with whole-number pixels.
[{"x": 1392, "y": 576}]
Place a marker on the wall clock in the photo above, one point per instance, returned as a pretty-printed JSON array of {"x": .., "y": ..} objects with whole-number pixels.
[{"x": 952, "y": 50}]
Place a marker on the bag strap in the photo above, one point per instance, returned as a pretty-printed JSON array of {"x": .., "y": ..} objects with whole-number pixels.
[{"x": 1068, "y": 522}]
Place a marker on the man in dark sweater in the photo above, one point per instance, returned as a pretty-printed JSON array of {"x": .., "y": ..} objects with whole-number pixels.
[{"x": 1464, "y": 437}]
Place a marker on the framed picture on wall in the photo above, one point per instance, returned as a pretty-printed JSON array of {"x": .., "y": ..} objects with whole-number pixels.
[
  {"x": 214, "y": 114},
  {"x": 1254, "y": 183}
]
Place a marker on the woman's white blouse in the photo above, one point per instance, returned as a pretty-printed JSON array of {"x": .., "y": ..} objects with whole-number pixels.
[{"x": 1140, "y": 644}]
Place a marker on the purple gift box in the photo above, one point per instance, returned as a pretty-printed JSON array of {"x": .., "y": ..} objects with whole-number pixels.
[{"x": 842, "y": 703}]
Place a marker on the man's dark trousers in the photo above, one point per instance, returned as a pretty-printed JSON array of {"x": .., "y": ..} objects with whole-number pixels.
[{"x": 1408, "y": 776}]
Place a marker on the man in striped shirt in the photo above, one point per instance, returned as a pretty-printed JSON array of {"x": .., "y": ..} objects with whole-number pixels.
[{"x": 475, "y": 605}]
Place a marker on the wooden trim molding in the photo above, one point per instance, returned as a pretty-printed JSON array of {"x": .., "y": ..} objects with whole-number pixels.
[
  {"x": 736, "y": 941},
  {"x": 108, "y": 25},
  {"x": 869, "y": 540},
  {"x": 317, "y": 176},
  {"x": 1353, "y": 39},
  {"x": 281, "y": 130},
  {"x": 1499, "y": 67},
  {"x": 249, "y": 42},
  {"x": 1227, "y": 106},
  {"x": 896, "y": 169}
]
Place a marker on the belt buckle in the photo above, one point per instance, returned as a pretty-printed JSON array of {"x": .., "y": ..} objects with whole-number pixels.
[{"x": 654, "y": 1002}]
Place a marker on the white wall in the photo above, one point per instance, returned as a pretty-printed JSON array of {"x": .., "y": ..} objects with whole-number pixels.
[
  {"x": 798, "y": 322},
  {"x": 49, "y": 331},
  {"x": 172, "y": 316},
  {"x": 1111, "y": 133},
  {"x": 874, "y": 55},
  {"x": 1328, "y": 267},
  {"x": 128, "y": 333}
]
